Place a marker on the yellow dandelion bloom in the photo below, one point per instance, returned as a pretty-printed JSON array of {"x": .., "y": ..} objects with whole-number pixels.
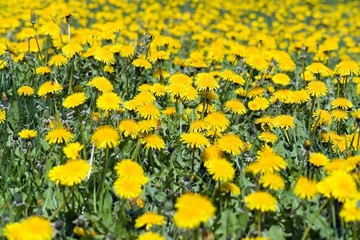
[
  {"x": 341, "y": 103},
  {"x": 50, "y": 28},
  {"x": 268, "y": 137},
  {"x": 42, "y": 70},
  {"x": 257, "y": 61},
  {"x": 71, "y": 173},
  {"x": 267, "y": 162},
  {"x": 259, "y": 103},
  {"x": 25, "y": 91},
  {"x": 231, "y": 143},
  {"x": 108, "y": 101},
  {"x": 211, "y": 152},
  {"x": 142, "y": 63},
  {"x": 182, "y": 91},
  {"x": 220, "y": 169},
  {"x": 216, "y": 121},
  {"x": 49, "y": 87},
  {"x": 104, "y": 55},
  {"x": 57, "y": 60},
  {"x": 281, "y": 79},
  {"x": 180, "y": 78},
  {"x": 305, "y": 188},
  {"x": 347, "y": 68},
  {"x": 147, "y": 126},
  {"x": 316, "y": 89},
  {"x": 298, "y": 97},
  {"x": 206, "y": 82},
  {"x": 235, "y": 106},
  {"x": 230, "y": 188},
  {"x": 319, "y": 68},
  {"x": 192, "y": 209},
  {"x": 70, "y": 49},
  {"x": 350, "y": 211},
  {"x": 13, "y": 231},
  {"x": 261, "y": 201},
  {"x": 101, "y": 83},
  {"x": 127, "y": 51},
  {"x": 129, "y": 128},
  {"x": 127, "y": 188},
  {"x": 59, "y": 135},
  {"x": 339, "y": 115},
  {"x": 158, "y": 89},
  {"x": 153, "y": 141},
  {"x": 272, "y": 181},
  {"x": 318, "y": 159},
  {"x": 74, "y": 100},
  {"x": 194, "y": 140},
  {"x": 284, "y": 121},
  {"x": 105, "y": 137},
  {"x": 148, "y": 111},
  {"x": 159, "y": 55},
  {"x": 321, "y": 117},
  {"x": 71, "y": 150},
  {"x": 150, "y": 236},
  {"x": 149, "y": 219},
  {"x": 197, "y": 126},
  {"x": 169, "y": 111},
  {"x": 28, "y": 133},
  {"x": 128, "y": 168},
  {"x": 343, "y": 186}
]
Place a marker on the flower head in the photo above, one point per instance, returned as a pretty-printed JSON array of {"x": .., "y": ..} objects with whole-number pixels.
[
  {"x": 261, "y": 201},
  {"x": 316, "y": 89},
  {"x": 153, "y": 141},
  {"x": 305, "y": 188},
  {"x": 128, "y": 168},
  {"x": 59, "y": 135},
  {"x": 231, "y": 143},
  {"x": 49, "y": 87},
  {"x": 25, "y": 91},
  {"x": 104, "y": 55},
  {"x": 2, "y": 115},
  {"x": 72, "y": 150},
  {"x": 105, "y": 137},
  {"x": 71, "y": 173},
  {"x": 318, "y": 159},
  {"x": 192, "y": 209},
  {"x": 148, "y": 219},
  {"x": 272, "y": 181},
  {"x": 28, "y": 133},
  {"x": 220, "y": 169},
  {"x": 235, "y": 106},
  {"x": 57, "y": 60},
  {"x": 194, "y": 140},
  {"x": 281, "y": 79},
  {"x": 74, "y": 100},
  {"x": 347, "y": 68},
  {"x": 206, "y": 82},
  {"x": 142, "y": 63},
  {"x": 101, "y": 83},
  {"x": 216, "y": 121},
  {"x": 150, "y": 236},
  {"x": 129, "y": 128},
  {"x": 108, "y": 101}
]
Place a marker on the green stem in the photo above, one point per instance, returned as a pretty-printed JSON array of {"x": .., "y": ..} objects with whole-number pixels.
[
  {"x": 103, "y": 172},
  {"x": 311, "y": 113},
  {"x": 61, "y": 206},
  {"x": 259, "y": 216},
  {"x": 317, "y": 214},
  {"x": 333, "y": 217}
]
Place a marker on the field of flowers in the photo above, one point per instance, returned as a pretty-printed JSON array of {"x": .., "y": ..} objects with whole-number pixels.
[{"x": 182, "y": 119}]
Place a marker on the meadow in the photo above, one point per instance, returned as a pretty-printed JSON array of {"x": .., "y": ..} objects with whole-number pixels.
[{"x": 182, "y": 119}]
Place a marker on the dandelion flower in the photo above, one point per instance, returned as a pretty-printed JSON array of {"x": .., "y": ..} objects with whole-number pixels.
[
  {"x": 36, "y": 227},
  {"x": 341, "y": 103},
  {"x": 305, "y": 188},
  {"x": 261, "y": 201},
  {"x": 216, "y": 121},
  {"x": 108, "y": 101},
  {"x": 150, "y": 236},
  {"x": 159, "y": 55},
  {"x": 257, "y": 61},
  {"x": 130, "y": 169},
  {"x": 231, "y": 143},
  {"x": 70, "y": 49},
  {"x": 71, "y": 150},
  {"x": 49, "y": 87},
  {"x": 259, "y": 103},
  {"x": 105, "y": 137},
  {"x": 350, "y": 211},
  {"x": 194, "y": 140},
  {"x": 129, "y": 128},
  {"x": 127, "y": 188},
  {"x": 322, "y": 117},
  {"x": 339, "y": 115},
  {"x": 316, "y": 89},
  {"x": 235, "y": 106},
  {"x": 220, "y": 169},
  {"x": 281, "y": 79},
  {"x": 267, "y": 162},
  {"x": 298, "y": 97},
  {"x": 50, "y": 28},
  {"x": 206, "y": 82},
  {"x": 28, "y": 133},
  {"x": 101, "y": 83},
  {"x": 319, "y": 68},
  {"x": 192, "y": 209},
  {"x": 230, "y": 187},
  {"x": 59, "y": 135},
  {"x": 14, "y": 231},
  {"x": 74, "y": 100},
  {"x": 347, "y": 68},
  {"x": 272, "y": 181},
  {"x": 318, "y": 159},
  {"x": 343, "y": 185},
  {"x": 71, "y": 173},
  {"x": 57, "y": 60},
  {"x": 103, "y": 55},
  {"x": 268, "y": 137},
  {"x": 142, "y": 63},
  {"x": 127, "y": 51},
  {"x": 146, "y": 126},
  {"x": 148, "y": 111},
  {"x": 42, "y": 70},
  {"x": 211, "y": 152},
  {"x": 153, "y": 141},
  {"x": 149, "y": 219},
  {"x": 25, "y": 91},
  {"x": 284, "y": 121}
]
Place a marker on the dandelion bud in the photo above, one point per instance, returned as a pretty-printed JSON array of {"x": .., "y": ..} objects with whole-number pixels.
[
  {"x": 307, "y": 145},
  {"x": 33, "y": 17}
]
